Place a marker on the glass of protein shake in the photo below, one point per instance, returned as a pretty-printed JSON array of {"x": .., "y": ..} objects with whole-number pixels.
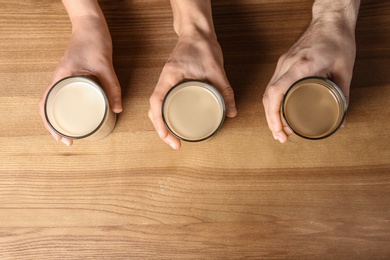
[
  {"x": 193, "y": 110},
  {"x": 314, "y": 108},
  {"x": 77, "y": 108}
]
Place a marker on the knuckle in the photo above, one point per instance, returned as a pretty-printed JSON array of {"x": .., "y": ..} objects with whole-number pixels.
[
  {"x": 227, "y": 91},
  {"x": 282, "y": 58},
  {"x": 304, "y": 68},
  {"x": 265, "y": 98},
  {"x": 153, "y": 99},
  {"x": 273, "y": 90},
  {"x": 150, "y": 114}
]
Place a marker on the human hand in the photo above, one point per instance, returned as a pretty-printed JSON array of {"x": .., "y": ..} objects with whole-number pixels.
[
  {"x": 88, "y": 53},
  {"x": 195, "y": 57},
  {"x": 326, "y": 49}
]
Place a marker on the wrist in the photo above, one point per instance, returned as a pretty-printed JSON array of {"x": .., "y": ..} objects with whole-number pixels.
[
  {"x": 195, "y": 31},
  {"x": 83, "y": 8},
  {"x": 192, "y": 18},
  {"x": 88, "y": 22},
  {"x": 343, "y": 13},
  {"x": 92, "y": 29}
]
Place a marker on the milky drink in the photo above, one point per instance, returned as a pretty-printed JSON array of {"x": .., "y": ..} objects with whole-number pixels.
[
  {"x": 314, "y": 108},
  {"x": 193, "y": 110},
  {"x": 76, "y": 107}
]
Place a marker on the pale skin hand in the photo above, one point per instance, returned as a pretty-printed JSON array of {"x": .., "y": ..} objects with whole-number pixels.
[
  {"x": 197, "y": 55},
  {"x": 326, "y": 49},
  {"x": 88, "y": 53}
]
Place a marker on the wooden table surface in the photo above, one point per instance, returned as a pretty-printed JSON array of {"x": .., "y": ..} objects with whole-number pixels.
[{"x": 239, "y": 195}]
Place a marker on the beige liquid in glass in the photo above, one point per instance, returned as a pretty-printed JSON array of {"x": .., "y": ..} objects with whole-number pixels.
[
  {"x": 77, "y": 108},
  {"x": 85, "y": 112},
  {"x": 193, "y": 112},
  {"x": 313, "y": 109}
]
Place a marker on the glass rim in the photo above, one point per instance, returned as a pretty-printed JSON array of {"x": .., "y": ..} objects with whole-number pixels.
[
  {"x": 92, "y": 80},
  {"x": 336, "y": 92},
  {"x": 214, "y": 92}
]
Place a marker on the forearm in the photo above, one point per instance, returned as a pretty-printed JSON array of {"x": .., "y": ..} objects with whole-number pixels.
[
  {"x": 340, "y": 11},
  {"x": 192, "y": 16},
  {"x": 80, "y": 11}
]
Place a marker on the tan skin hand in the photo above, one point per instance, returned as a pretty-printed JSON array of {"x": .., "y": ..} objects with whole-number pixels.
[
  {"x": 88, "y": 53},
  {"x": 327, "y": 50},
  {"x": 194, "y": 57}
]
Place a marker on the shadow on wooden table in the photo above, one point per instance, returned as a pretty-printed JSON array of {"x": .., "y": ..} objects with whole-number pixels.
[
  {"x": 372, "y": 31},
  {"x": 243, "y": 46},
  {"x": 121, "y": 18}
]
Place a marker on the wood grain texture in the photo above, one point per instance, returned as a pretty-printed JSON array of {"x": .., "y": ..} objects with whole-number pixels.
[{"x": 239, "y": 195}]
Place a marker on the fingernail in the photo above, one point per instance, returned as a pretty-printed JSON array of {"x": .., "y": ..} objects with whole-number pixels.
[
  {"x": 278, "y": 138},
  {"x": 117, "y": 107},
  {"x": 172, "y": 145},
  {"x": 232, "y": 111},
  {"x": 65, "y": 142}
]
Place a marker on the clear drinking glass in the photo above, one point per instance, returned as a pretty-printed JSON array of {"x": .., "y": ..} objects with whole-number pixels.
[
  {"x": 77, "y": 108},
  {"x": 193, "y": 110},
  {"x": 314, "y": 108}
]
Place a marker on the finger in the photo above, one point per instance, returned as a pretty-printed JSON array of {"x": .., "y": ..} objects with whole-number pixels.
[
  {"x": 287, "y": 130},
  {"x": 343, "y": 80},
  {"x": 221, "y": 82},
  {"x": 59, "y": 74},
  {"x": 155, "y": 116},
  {"x": 344, "y": 123},
  {"x": 112, "y": 88},
  {"x": 273, "y": 99},
  {"x": 280, "y": 137},
  {"x": 279, "y": 66},
  {"x": 56, "y": 136},
  {"x": 284, "y": 64},
  {"x": 66, "y": 141},
  {"x": 166, "y": 81}
]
